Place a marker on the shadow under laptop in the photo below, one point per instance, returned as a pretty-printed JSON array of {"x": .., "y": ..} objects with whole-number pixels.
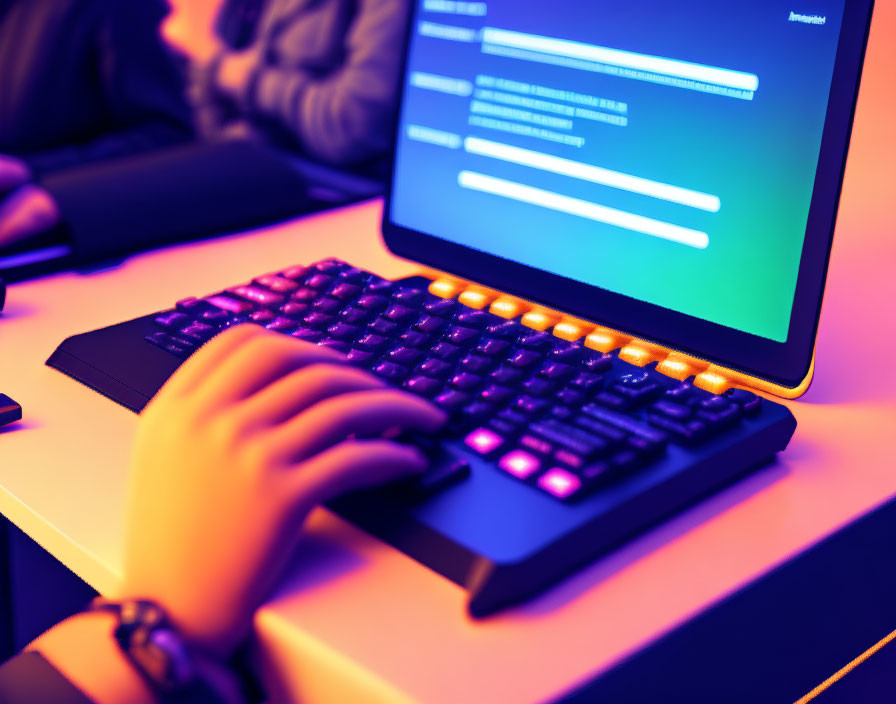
[{"x": 665, "y": 533}]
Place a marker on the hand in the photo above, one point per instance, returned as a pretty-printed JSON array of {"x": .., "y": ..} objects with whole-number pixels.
[
  {"x": 250, "y": 434},
  {"x": 26, "y": 212},
  {"x": 235, "y": 71},
  {"x": 190, "y": 28},
  {"x": 13, "y": 173}
]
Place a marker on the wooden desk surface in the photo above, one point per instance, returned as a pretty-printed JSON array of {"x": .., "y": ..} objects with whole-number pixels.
[{"x": 358, "y": 621}]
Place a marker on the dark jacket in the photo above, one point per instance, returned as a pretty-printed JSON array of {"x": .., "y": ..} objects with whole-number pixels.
[
  {"x": 327, "y": 79},
  {"x": 87, "y": 80}
]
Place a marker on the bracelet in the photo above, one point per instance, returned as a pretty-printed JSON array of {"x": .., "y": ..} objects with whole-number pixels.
[{"x": 157, "y": 651}]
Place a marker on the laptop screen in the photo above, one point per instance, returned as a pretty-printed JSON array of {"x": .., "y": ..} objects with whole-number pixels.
[{"x": 663, "y": 151}]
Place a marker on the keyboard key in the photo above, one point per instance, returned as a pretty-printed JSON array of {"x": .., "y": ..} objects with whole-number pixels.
[
  {"x": 330, "y": 266},
  {"x": 373, "y": 302},
  {"x": 371, "y": 342},
  {"x": 382, "y": 326},
  {"x": 443, "y": 308},
  {"x": 560, "y": 483},
  {"x": 276, "y": 283},
  {"x": 296, "y": 273},
  {"x": 748, "y": 401},
  {"x": 381, "y": 287},
  {"x": 498, "y": 394},
  {"x": 638, "y": 394},
  {"x": 173, "y": 320},
  {"x": 478, "y": 412},
  {"x": 308, "y": 335},
  {"x": 507, "y": 376},
  {"x": 538, "y": 387},
  {"x": 586, "y": 383},
  {"x": 555, "y": 371},
  {"x": 230, "y": 304},
  {"x": 477, "y": 319},
  {"x": 216, "y": 317},
  {"x": 360, "y": 357},
  {"x": 484, "y": 441},
  {"x": 520, "y": 464},
  {"x": 513, "y": 417},
  {"x": 466, "y": 381},
  {"x": 318, "y": 321},
  {"x": 406, "y": 356},
  {"x": 391, "y": 371},
  {"x": 540, "y": 341},
  {"x": 562, "y": 412},
  {"x": 159, "y": 339},
  {"x": 346, "y": 292},
  {"x": 624, "y": 422},
  {"x": 523, "y": 359},
  {"x": 475, "y": 364},
  {"x": 687, "y": 432},
  {"x": 191, "y": 306},
  {"x": 507, "y": 330},
  {"x": 568, "y": 354},
  {"x": 721, "y": 417},
  {"x": 343, "y": 331},
  {"x": 436, "y": 369},
  {"x": 256, "y": 294},
  {"x": 262, "y": 316},
  {"x": 292, "y": 309},
  {"x": 400, "y": 314},
  {"x": 336, "y": 345},
  {"x": 673, "y": 410},
  {"x": 540, "y": 320},
  {"x": 199, "y": 332},
  {"x": 571, "y": 397},
  {"x": 462, "y": 336},
  {"x": 587, "y": 445},
  {"x": 304, "y": 295},
  {"x": 327, "y": 305},
  {"x": 319, "y": 281},
  {"x": 353, "y": 275},
  {"x": 430, "y": 324},
  {"x": 281, "y": 324},
  {"x": 530, "y": 406},
  {"x": 492, "y": 347},
  {"x": 615, "y": 436},
  {"x": 535, "y": 444},
  {"x": 423, "y": 386},
  {"x": 412, "y": 297},
  {"x": 447, "y": 351},
  {"x": 614, "y": 402},
  {"x": 452, "y": 400},
  {"x": 413, "y": 338},
  {"x": 598, "y": 363},
  {"x": 568, "y": 458}
]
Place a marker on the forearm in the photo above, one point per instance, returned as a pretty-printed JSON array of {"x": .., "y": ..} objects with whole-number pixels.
[{"x": 83, "y": 649}]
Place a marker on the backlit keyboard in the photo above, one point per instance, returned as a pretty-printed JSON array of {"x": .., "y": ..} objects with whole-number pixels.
[{"x": 555, "y": 414}]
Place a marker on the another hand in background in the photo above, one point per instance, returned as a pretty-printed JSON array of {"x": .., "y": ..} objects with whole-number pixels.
[
  {"x": 27, "y": 211},
  {"x": 235, "y": 71},
  {"x": 13, "y": 173},
  {"x": 244, "y": 440}
]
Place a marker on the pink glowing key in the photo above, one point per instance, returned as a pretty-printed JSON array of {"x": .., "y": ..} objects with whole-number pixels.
[
  {"x": 560, "y": 483},
  {"x": 484, "y": 441},
  {"x": 520, "y": 464}
]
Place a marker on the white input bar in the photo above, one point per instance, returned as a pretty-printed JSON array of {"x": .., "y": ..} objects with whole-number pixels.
[
  {"x": 625, "y": 59},
  {"x": 594, "y": 174},
  {"x": 583, "y": 209}
]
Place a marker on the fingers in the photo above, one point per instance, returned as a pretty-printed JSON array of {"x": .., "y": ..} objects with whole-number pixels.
[
  {"x": 361, "y": 414},
  {"x": 208, "y": 358},
  {"x": 258, "y": 362},
  {"x": 28, "y": 211},
  {"x": 301, "y": 389},
  {"x": 13, "y": 173},
  {"x": 350, "y": 466}
]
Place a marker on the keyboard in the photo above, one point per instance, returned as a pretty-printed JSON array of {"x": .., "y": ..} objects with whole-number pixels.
[
  {"x": 554, "y": 452},
  {"x": 562, "y": 418}
]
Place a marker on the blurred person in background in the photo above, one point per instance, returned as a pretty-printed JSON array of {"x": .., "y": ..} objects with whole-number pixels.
[
  {"x": 81, "y": 81},
  {"x": 272, "y": 78}
]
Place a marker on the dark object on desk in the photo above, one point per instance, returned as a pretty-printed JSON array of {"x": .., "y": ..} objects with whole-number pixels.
[
  {"x": 184, "y": 193},
  {"x": 555, "y": 454},
  {"x": 10, "y": 411}
]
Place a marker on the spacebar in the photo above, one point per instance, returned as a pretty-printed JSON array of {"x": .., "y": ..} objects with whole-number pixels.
[{"x": 624, "y": 422}]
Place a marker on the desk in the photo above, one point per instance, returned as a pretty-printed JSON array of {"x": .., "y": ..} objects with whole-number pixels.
[{"x": 358, "y": 621}]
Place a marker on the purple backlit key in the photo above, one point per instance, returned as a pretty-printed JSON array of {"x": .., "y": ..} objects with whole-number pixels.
[
  {"x": 346, "y": 292},
  {"x": 276, "y": 283},
  {"x": 423, "y": 386},
  {"x": 560, "y": 483},
  {"x": 257, "y": 295},
  {"x": 173, "y": 320},
  {"x": 520, "y": 464},
  {"x": 484, "y": 441},
  {"x": 230, "y": 304},
  {"x": 261, "y": 316},
  {"x": 198, "y": 331},
  {"x": 281, "y": 325},
  {"x": 436, "y": 368}
]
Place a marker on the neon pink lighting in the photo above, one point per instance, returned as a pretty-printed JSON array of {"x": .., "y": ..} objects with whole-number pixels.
[
  {"x": 484, "y": 441},
  {"x": 520, "y": 464},
  {"x": 560, "y": 483}
]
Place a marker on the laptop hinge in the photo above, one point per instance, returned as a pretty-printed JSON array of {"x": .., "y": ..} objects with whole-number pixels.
[{"x": 677, "y": 365}]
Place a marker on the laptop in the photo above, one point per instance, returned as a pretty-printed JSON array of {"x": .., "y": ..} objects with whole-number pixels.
[{"x": 629, "y": 208}]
